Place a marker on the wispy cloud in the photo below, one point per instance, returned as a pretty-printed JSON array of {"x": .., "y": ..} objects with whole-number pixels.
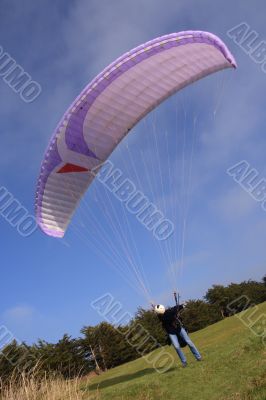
[
  {"x": 19, "y": 314},
  {"x": 234, "y": 204}
]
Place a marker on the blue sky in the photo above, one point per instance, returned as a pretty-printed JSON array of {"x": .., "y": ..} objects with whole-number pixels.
[{"x": 47, "y": 285}]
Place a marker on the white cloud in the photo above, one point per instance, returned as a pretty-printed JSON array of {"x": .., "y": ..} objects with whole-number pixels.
[
  {"x": 19, "y": 314},
  {"x": 234, "y": 204}
]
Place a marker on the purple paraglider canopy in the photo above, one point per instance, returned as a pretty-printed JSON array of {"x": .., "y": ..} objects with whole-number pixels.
[{"x": 102, "y": 115}]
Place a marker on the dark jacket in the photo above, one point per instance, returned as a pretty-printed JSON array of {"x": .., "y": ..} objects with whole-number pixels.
[{"x": 171, "y": 321}]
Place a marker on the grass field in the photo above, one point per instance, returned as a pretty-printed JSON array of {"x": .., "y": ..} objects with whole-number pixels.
[{"x": 234, "y": 368}]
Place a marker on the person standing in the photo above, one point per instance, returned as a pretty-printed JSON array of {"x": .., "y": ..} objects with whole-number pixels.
[{"x": 173, "y": 325}]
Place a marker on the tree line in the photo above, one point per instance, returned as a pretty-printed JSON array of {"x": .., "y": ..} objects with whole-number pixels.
[{"x": 105, "y": 346}]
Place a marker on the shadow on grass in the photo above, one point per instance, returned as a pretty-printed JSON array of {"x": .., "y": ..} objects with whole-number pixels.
[
  {"x": 122, "y": 378},
  {"x": 172, "y": 369}
]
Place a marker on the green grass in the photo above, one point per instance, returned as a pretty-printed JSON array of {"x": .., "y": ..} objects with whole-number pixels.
[{"x": 234, "y": 368}]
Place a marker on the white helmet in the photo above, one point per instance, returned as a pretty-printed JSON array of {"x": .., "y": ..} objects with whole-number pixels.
[{"x": 159, "y": 309}]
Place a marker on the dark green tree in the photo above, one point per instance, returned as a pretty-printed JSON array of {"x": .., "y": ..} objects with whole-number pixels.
[
  {"x": 198, "y": 314},
  {"x": 107, "y": 345}
]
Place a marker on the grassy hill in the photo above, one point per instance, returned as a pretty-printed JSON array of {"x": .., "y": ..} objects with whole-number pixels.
[{"x": 234, "y": 368}]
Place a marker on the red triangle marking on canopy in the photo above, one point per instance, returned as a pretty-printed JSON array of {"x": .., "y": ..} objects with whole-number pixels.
[{"x": 71, "y": 168}]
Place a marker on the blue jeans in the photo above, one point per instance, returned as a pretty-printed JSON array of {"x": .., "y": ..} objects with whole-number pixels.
[{"x": 189, "y": 342}]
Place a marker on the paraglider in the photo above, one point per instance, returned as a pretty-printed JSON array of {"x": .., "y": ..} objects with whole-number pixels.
[
  {"x": 177, "y": 333},
  {"x": 107, "y": 109}
]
